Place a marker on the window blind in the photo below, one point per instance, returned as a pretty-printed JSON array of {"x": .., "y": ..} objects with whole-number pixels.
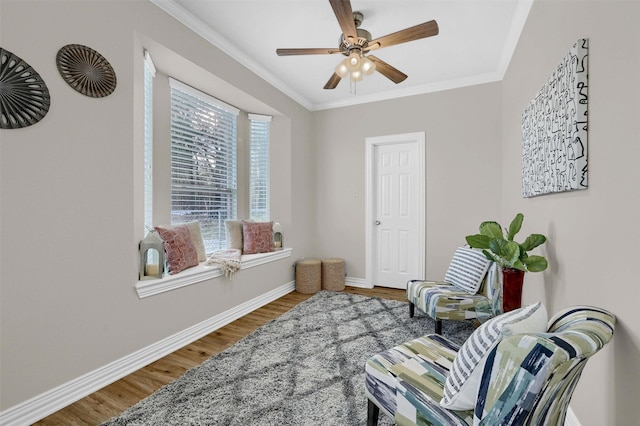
[
  {"x": 149, "y": 74},
  {"x": 259, "y": 209},
  {"x": 203, "y": 162}
]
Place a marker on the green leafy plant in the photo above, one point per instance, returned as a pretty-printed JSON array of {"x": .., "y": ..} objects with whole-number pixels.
[{"x": 504, "y": 250}]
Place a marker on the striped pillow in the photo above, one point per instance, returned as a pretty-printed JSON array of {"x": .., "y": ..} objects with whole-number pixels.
[
  {"x": 461, "y": 387},
  {"x": 467, "y": 269}
]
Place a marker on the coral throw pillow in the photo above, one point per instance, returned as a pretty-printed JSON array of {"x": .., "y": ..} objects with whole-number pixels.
[
  {"x": 257, "y": 237},
  {"x": 179, "y": 247}
]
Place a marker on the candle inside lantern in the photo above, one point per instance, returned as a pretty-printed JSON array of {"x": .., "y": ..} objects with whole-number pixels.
[
  {"x": 151, "y": 257},
  {"x": 152, "y": 269}
]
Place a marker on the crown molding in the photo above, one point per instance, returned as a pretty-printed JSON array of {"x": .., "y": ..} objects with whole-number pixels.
[
  {"x": 517, "y": 25},
  {"x": 410, "y": 91}
]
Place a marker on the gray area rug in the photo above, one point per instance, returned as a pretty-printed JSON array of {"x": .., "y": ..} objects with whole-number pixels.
[{"x": 304, "y": 368}]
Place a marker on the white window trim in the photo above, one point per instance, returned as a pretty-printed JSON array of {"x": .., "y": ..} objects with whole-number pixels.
[
  {"x": 259, "y": 117},
  {"x": 202, "y": 272},
  {"x": 200, "y": 94},
  {"x": 149, "y": 61},
  {"x": 148, "y": 139}
]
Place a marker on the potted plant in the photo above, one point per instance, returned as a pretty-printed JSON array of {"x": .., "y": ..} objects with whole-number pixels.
[{"x": 511, "y": 256}]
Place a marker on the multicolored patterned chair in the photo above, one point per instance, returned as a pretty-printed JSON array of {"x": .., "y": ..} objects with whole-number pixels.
[
  {"x": 471, "y": 290},
  {"x": 522, "y": 378}
]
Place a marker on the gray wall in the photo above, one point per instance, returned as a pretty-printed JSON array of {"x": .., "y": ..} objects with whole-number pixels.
[
  {"x": 71, "y": 185},
  {"x": 462, "y": 151},
  {"x": 593, "y": 234}
]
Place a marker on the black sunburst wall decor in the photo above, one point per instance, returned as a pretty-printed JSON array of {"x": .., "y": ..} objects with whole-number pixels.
[
  {"x": 86, "y": 70},
  {"x": 24, "y": 96}
]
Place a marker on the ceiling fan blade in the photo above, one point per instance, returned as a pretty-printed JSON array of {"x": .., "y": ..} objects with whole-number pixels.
[
  {"x": 333, "y": 81},
  {"x": 424, "y": 30},
  {"x": 387, "y": 70},
  {"x": 344, "y": 14},
  {"x": 306, "y": 51}
]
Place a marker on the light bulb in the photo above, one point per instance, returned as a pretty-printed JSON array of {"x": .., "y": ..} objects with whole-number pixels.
[
  {"x": 356, "y": 75},
  {"x": 353, "y": 61},
  {"x": 342, "y": 70},
  {"x": 368, "y": 66}
]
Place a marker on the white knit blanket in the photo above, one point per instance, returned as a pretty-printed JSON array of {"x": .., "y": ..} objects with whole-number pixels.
[{"x": 227, "y": 260}]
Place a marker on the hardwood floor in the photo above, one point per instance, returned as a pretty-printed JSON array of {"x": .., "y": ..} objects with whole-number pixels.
[{"x": 117, "y": 397}]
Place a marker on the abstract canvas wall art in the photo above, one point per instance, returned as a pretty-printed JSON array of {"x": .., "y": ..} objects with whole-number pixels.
[{"x": 554, "y": 129}]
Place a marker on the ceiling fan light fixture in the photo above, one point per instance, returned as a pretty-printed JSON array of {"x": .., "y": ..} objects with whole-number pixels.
[
  {"x": 356, "y": 76},
  {"x": 354, "y": 61},
  {"x": 368, "y": 66},
  {"x": 342, "y": 70},
  {"x": 355, "y": 42}
]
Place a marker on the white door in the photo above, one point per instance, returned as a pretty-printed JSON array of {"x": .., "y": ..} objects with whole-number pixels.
[{"x": 395, "y": 209}]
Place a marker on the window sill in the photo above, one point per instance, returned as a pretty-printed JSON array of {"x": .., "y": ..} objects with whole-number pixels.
[{"x": 202, "y": 273}]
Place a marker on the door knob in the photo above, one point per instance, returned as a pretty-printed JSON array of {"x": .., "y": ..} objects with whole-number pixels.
[{"x": 377, "y": 222}]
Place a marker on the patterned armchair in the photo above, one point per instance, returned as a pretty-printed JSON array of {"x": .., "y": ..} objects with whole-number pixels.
[
  {"x": 472, "y": 289},
  {"x": 522, "y": 378}
]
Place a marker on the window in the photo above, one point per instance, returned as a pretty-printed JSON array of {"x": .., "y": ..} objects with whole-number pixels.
[
  {"x": 203, "y": 162},
  {"x": 259, "y": 167},
  {"x": 149, "y": 74}
]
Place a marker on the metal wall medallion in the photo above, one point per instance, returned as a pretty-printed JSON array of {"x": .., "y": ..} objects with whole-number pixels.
[
  {"x": 24, "y": 96},
  {"x": 86, "y": 70}
]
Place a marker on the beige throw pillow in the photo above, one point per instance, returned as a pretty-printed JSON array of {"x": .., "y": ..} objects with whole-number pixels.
[{"x": 234, "y": 234}]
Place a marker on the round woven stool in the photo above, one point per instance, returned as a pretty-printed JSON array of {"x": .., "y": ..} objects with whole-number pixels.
[
  {"x": 333, "y": 274},
  {"x": 308, "y": 276}
]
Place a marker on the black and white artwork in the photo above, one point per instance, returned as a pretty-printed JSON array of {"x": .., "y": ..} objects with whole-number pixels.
[{"x": 554, "y": 129}]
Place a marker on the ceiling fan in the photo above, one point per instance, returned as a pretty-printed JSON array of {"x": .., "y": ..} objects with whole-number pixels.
[{"x": 355, "y": 42}]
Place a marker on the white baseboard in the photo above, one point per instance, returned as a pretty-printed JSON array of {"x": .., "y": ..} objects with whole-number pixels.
[
  {"x": 57, "y": 398},
  {"x": 571, "y": 419},
  {"x": 357, "y": 282}
]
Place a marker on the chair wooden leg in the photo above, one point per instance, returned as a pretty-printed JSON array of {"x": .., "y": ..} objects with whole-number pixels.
[
  {"x": 412, "y": 309},
  {"x": 373, "y": 412},
  {"x": 439, "y": 326}
]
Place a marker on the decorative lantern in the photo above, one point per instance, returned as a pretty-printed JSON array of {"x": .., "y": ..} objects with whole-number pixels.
[
  {"x": 151, "y": 256},
  {"x": 278, "y": 241}
]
